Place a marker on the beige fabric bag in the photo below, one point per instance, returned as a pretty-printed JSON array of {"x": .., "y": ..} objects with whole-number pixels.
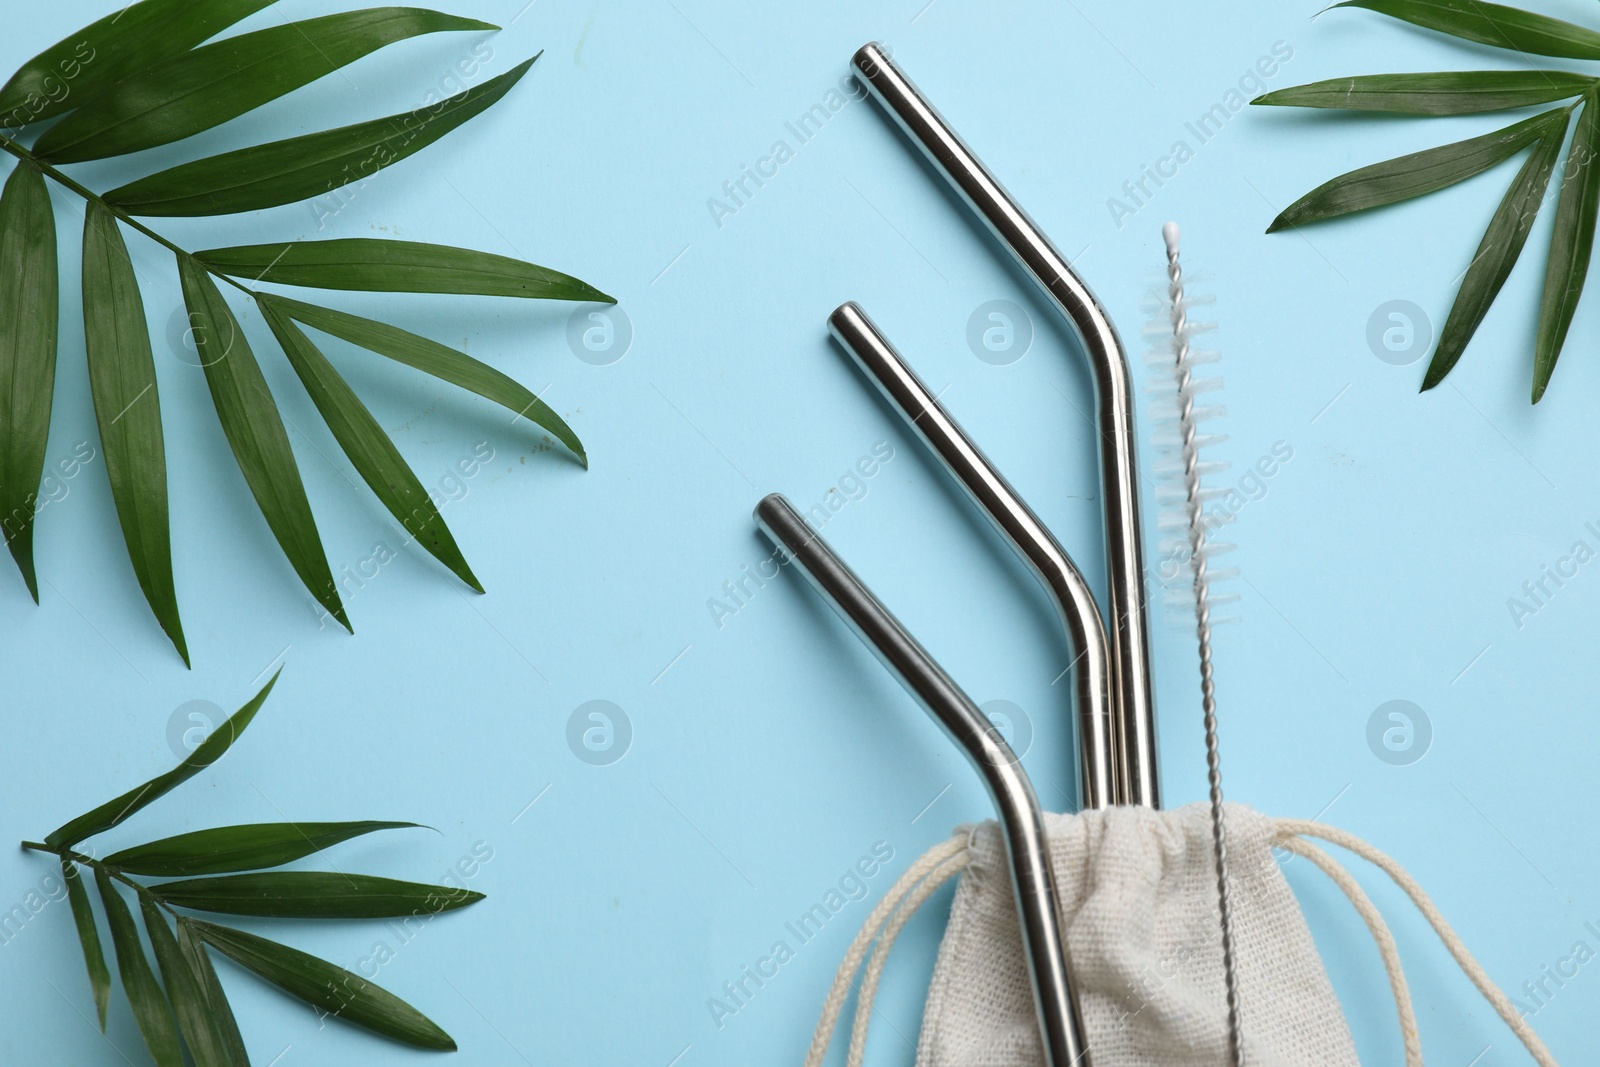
[
  {"x": 1139, "y": 901},
  {"x": 1139, "y": 894}
]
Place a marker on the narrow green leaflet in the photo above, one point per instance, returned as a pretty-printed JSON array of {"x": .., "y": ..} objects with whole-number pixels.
[
  {"x": 1497, "y": 253},
  {"x": 205, "y": 754},
  {"x": 397, "y": 267},
  {"x": 371, "y": 451},
  {"x": 251, "y": 847},
  {"x": 255, "y": 432},
  {"x": 313, "y": 895},
  {"x": 436, "y": 359},
  {"x": 147, "y": 34},
  {"x": 150, "y": 1008},
  {"x": 195, "y": 1020},
  {"x": 221, "y": 81},
  {"x": 1452, "y": 92},
  {"x": 1492, "y": 24},
  {"x": 127, "y": 408},
  {"x": 94, "y": 957},
  {"x": 1570, "y": 244},
  {"x": 283, "y": 172},
  {"x": 28, "y": 321},
  {"x": 205, "y": 976},
  {"x": 333, "y": 989},
  {"x": 1416, "y": 174}
]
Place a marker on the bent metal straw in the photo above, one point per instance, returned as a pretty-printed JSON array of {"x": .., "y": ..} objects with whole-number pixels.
[{"x": 1033, "y": 880}]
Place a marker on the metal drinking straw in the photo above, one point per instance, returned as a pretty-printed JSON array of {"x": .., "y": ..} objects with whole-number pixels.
[
  {"x": 1136, "y": 779},
  {"x": 1021, "y": 821},
  {"x": 1116, "y": 724},
  {"x": 1021, "y": 528}
]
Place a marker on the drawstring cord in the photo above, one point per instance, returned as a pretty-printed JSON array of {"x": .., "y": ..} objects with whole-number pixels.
[
  {"x": 880, "y": 954},
  {"x": 1289, "y": 829},
  {"x": 953, "y": 851},
  {"x": 944, "y": 861},
  {"x": 1380, "y": 933}
]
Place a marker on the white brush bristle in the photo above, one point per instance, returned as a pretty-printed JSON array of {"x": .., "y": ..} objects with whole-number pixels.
[{"x": 1171, "y": 568}]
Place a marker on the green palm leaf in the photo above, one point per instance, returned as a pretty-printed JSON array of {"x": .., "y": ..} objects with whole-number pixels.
[
  {"x": 221, "y": 81},
  {"x": 138, "y": 37},
  {"x": 1416, "y": 174},
  {"x": 1451, "y": 92},
  {"x": 375, "y": 457},
  {"x": 28, "y": 320},
  {"x": 127, "y": 408},
  {"x": 204, "y": 1020},
  {"x": 1510, "y": 28},
  {"x": 152, "y": 74},
  {"x": 255, "y": 432},
  {"x": 285, "y": 171},
  {"x": 1497, "y": 254},
  {"x": 397, "y": 267},
  {"x": 226, "y": 849},
  {"x": 312, "y": 895},
  {"x": 205, "y": 976},
  {"x": 433, "y": 358},
  {"x": 1570, "y": 245},
  {"x": 150, "y": 1007},
  {"x": 1420, "y": 173},
  {"x": 94, "y": 957},
  {"x": 321, "y": 984},
  {"x": 196, "y": 1021},
  {"x": 112, "y": 812}
]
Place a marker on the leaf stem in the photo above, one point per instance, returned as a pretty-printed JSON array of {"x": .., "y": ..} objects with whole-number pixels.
[
  {"x": 86, "y": 193},
  {"x": 100, "y": 865}
]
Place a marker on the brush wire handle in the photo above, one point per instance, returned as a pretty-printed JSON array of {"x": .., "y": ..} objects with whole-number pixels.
[{"x": 1202, "y": 623}]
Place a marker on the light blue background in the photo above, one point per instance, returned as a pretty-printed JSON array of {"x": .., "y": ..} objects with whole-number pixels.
[{"x": 768, "y": 754}]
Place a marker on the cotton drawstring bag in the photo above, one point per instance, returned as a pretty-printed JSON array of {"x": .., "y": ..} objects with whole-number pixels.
[{"x": 1138, "y": 897}]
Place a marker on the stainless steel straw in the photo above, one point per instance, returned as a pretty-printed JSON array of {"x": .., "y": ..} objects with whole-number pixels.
[
  {"x": 1136, "y": 781},
  {"x": 1021, "y": 821},
  {"x": 1021, "y": 528}
]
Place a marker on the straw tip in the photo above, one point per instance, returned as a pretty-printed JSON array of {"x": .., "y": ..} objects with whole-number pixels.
[
  {"x": 769, "y": 504},
  {"x": 856, "y": 334},
  {"x": 1169, "y": 234},
  {"x": 868, "y": 55}
]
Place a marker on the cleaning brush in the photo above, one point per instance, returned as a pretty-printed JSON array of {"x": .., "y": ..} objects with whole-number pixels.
[
  {"x": 1180, "y": 440},
  {"x": 1172, "y": 567}
]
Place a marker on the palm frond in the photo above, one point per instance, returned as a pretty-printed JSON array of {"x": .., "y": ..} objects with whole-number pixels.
[
  {"x": 157, "y": 73},
  {"x": 1420, "y": 173},
  {"x": 179, "y": 1003}
]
